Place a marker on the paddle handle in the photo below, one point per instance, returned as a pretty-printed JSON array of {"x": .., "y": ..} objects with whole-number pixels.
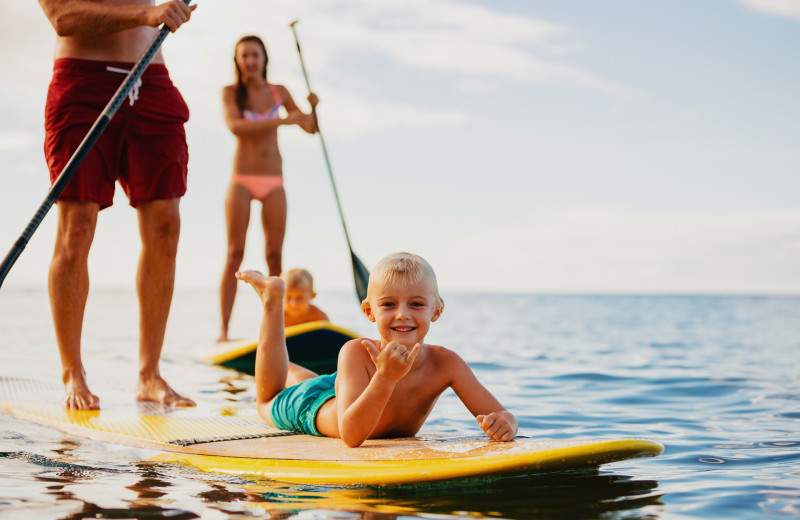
[
  {"x": 360, "y": 272},
  {"x": 80, "y": 154},
  {"x": 321, "y": 139}
]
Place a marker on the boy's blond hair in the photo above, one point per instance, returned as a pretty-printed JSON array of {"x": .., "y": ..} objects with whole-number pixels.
[
  {"x": 298, "y": 276},
  {"x": 405, "y": 267}
]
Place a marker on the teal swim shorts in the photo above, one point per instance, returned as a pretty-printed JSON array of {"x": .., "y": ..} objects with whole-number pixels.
[{"x": 296, "y": 407}]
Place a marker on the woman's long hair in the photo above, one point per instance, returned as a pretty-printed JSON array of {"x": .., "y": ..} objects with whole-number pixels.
[{"x": 241, "y": 89}]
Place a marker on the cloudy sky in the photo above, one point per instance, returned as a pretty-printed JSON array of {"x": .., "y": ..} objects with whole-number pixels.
[{"x": 613, "y": 146}]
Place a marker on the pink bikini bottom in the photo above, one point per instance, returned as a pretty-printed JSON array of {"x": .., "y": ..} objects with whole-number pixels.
[{"x": 259, "y": 186}]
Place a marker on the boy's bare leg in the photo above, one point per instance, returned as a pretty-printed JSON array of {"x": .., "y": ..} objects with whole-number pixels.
[
  {"x": 272, "y": 359},
  {"x": 298, "y": 374},
  {"x": 159, "y": 226},
  {"x": 69, "y": 287}
]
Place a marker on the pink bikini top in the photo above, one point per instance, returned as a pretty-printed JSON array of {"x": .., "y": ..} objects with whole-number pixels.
[{"x": 271, "y": 114}]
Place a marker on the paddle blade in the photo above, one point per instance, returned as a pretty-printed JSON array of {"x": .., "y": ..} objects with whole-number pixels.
[{"x": 361, "y": 275}]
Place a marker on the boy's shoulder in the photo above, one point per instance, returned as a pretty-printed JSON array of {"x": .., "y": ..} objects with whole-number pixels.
[
  {"x": 317, "y": 313},
  {"x": 444, "y": 354}
]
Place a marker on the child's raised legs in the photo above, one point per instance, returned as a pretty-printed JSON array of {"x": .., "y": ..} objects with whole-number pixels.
[{"x": 274, "y": 372}]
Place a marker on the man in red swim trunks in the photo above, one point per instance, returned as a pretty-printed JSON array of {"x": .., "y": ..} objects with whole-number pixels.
[{"x": 143, "y": 148}]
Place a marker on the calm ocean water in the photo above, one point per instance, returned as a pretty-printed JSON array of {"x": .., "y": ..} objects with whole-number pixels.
[{"x": 714, "y": 379}]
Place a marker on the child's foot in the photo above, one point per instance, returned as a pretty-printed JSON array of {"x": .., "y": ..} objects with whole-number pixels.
[
  {"x": 157, "y": 390},
  {"x": 269, "y": 288}
]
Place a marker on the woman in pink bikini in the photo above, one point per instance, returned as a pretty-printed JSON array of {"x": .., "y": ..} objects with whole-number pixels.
[{"x": 252, "y": 112}]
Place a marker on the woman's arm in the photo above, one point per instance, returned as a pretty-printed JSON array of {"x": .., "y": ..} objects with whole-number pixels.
[
  {"x": 236, "y": 123},
  {"x": 497, "y": 422},
  {"x": 245, "y": 127},
  {"x": 93, "y": 17},
  {"x": 304, "y": 121}
]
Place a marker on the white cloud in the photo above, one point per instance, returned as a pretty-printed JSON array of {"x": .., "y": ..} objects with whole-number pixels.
[
  {"x": 355, "y": 117},
  {"x": 478, "y": 45},
  {"x": 603, "y": 250},
  {"x": 784, "y": 8},
  {"x": 20, "y": 142},
  {"x": 464, "y": 39}
]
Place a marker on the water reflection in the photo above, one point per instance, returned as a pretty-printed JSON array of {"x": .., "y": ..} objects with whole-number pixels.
[
  {"x": 159, "y": 491},
  {"x": 572, "y": 495}
]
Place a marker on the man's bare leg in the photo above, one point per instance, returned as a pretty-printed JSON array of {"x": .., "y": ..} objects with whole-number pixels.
[
  {"x": 159, "y": 226},
  {"x": 68, "y": 283}
]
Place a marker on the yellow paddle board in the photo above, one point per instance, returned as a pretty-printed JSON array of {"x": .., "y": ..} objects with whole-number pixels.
[
  {"x": 236, "y": 442},
  {"x": 314, "y": 345}
]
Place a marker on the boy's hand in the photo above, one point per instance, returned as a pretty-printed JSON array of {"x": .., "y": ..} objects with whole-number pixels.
[
  {"x": 394, "y": 360},
  {"x": 500, "y": 426}
]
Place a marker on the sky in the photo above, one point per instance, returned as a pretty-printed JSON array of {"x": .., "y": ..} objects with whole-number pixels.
[{"x": 589, "y": 146}]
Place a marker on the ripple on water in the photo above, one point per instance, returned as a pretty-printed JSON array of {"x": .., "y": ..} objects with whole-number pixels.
[{"x": 712, "y": 378}]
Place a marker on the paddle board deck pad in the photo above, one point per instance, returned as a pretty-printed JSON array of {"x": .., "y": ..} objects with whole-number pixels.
[
  {"x": 314, "y": 345},
  {"x": 236, "y": 442}
]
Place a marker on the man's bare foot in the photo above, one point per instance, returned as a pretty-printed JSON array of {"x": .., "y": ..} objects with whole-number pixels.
[
  {"x": 223, "y": 337},
  {"x": 78, "y": 396},
  {"x": 269, "y": 288},
  {"x": 157, "y": 390}
]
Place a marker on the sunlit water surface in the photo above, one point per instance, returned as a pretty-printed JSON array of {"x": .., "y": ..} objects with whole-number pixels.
[{"x": 714, "y": 379}]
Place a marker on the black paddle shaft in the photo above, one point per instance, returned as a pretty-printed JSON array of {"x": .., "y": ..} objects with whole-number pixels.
[
  {"x": 360, "y": 272},
  {"x": 80, "y": 154}
]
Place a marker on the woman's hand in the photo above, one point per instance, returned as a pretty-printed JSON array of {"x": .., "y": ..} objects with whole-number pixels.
[{"x": 304, "y": 121}]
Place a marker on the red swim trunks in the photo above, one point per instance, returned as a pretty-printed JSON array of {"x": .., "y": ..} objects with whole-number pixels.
[{"x": 143, "y": 147}]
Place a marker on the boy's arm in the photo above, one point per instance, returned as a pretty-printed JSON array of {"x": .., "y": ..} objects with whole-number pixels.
[
  {"x": 497, "y": 422},
  {"x": 361, "y": 399}
]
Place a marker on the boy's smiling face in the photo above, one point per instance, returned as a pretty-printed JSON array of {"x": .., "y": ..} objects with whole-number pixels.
[{"x": 402, "y": 311}]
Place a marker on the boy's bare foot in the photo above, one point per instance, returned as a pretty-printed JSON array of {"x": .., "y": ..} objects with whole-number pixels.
[
  {"x": 223, "y": 337},
  {"x": 78, "y": 396},
  {"x": 269, "y": 288},
  {"x": 157, "y": 390}
]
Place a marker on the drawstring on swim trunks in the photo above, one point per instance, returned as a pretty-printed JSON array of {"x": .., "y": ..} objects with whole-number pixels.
[{"x": 133, "y": 95}]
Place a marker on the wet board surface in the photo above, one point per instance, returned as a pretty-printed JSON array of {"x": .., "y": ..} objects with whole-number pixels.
[
  {"x": 243, "y": 445},
  {"x": 314, "y": 345}
]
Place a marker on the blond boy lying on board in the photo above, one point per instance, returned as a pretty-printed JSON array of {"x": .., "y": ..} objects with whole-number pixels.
[{"x": 383, "y": 388}]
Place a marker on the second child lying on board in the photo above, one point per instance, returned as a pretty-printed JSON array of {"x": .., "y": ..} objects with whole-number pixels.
[
  {"x": 297, "y": 306},
  {"x": 383, "y": 388}
]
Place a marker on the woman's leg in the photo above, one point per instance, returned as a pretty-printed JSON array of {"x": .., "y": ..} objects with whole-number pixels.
[
  {"x": 237, "y": 218},
  {"x": 273, "y": 219}
]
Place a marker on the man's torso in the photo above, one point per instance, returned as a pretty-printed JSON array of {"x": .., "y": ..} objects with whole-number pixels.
[{"x": 125, "y": 46}]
